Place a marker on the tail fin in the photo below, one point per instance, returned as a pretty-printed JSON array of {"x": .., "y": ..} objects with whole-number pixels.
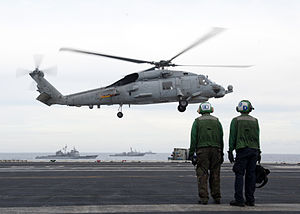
[{"x": 48, "y": 93}]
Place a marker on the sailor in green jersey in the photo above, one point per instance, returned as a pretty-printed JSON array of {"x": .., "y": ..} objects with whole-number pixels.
[
  {"x": 207, "y": 142},
  {"x": 244, "y": 139}
]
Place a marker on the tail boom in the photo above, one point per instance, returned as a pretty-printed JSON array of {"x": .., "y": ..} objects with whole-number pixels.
[{"x": 48, "y": 93}]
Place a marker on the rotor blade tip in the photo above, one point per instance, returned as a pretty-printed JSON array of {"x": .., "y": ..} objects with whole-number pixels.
[
  {"x": 219, "y": 28},
  {"x": 63, "y": 49}
]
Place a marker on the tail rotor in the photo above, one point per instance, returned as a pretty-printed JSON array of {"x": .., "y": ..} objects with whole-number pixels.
[{"x": 38, "y": 59}]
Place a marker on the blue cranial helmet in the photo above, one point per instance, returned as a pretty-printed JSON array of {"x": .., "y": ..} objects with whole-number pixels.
[{"x": 244, "y": 106}]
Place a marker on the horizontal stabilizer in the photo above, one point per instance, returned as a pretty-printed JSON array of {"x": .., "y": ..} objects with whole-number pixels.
[{"x": 44, "y": 98}]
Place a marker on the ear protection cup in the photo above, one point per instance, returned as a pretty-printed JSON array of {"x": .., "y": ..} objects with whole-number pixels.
[{"x": 250, "y": 108}]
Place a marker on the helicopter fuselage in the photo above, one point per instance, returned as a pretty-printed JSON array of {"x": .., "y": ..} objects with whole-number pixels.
[
  {"x": 157, "y": 86},
  {"x": 145, "y": 87}
]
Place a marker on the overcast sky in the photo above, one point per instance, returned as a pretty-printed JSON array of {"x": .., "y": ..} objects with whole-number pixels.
[{"x": 262, "y": 33}]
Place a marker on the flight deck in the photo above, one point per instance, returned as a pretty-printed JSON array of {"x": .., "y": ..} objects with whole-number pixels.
[{"x": 133, "y": 187}]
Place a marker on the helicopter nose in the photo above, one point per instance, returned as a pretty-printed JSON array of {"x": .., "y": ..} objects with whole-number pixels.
[
  {"x": 216, "y": 88},
  {"x": 219, "y": 90}
]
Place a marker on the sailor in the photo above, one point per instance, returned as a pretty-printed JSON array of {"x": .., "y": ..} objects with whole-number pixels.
[
  {"x": 207, "y": 142},
  {"x": 244, "y": 139}
]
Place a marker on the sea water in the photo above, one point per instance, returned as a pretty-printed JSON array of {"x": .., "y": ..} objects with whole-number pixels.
[
  {"x": 101, "y": 157},
  {"x": 266, "y": 158}
]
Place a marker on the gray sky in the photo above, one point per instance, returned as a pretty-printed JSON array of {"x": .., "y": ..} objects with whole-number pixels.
[{"x": 263, "y": 33}]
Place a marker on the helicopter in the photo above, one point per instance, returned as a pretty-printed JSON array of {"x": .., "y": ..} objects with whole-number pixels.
[{"x": 156, "y": 84}]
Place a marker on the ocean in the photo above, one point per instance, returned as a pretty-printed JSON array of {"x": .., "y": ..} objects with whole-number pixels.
[{"x": 266, "y": 158}]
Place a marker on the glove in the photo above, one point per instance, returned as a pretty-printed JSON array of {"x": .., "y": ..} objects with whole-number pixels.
[
  {"x": 193, "y": 158},
  {"x": 259, "y": 157},
  {"x": 230, "y": 157}
]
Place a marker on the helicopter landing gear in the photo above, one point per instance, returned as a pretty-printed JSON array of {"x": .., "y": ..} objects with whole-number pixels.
[
  {"x": 182, "y": 105},
  {"x": 181, "y": 108},
  {"x": 120, "y": 114}
]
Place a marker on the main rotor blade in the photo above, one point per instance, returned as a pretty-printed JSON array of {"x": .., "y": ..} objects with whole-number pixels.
[
  {"x": 219, "y": 66},
  {"x": 38, "y": 58},
  {"x": 212, "y": 33},
  {"x": 149, "y": 69},
  {"x": 105, "y": 55}
]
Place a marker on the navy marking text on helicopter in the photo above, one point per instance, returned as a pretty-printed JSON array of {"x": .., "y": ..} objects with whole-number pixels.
[{"x": 154, "y": 85}]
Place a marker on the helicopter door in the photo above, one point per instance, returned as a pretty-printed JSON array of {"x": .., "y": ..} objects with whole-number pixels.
[
  {"x": 168, "y": 88},
  {"x": 185, "y": 84}
]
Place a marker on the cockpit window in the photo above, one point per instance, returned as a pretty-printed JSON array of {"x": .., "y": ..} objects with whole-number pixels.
[
  {"x": 126, "y": 80},
  {"x": 203, "y": 81}
]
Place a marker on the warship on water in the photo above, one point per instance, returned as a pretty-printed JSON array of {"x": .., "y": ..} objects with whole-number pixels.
[
  {"x": 150, "y": 153},
  {"x": 131, "y": 153},
  {"x": 63, "y": 154}
]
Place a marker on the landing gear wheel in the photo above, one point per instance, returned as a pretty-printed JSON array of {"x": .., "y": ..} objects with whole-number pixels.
[
  {"x": 181, "y": 108},
  {"x": 183, "y": 103},
  {"x": 120, "y": 114}
]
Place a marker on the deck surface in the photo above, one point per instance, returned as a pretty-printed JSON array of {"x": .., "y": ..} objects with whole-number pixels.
[{"x": 133, "y": 187}]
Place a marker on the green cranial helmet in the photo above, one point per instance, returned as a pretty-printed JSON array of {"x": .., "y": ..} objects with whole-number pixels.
[
  {"x": 205, "y": 108},
  {"x": 244, "y": 106}
]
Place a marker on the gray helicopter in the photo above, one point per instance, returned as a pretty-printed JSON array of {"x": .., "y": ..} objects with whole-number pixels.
[{"x": 154, "y": 85}]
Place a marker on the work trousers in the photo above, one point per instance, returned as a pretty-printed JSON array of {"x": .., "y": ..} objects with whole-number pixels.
[
  {"x": 208, "y": 166},
  {"x": 245, "y": 162}
]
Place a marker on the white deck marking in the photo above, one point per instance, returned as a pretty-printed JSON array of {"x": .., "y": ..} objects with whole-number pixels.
[{"x": 167, "y": 208}]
